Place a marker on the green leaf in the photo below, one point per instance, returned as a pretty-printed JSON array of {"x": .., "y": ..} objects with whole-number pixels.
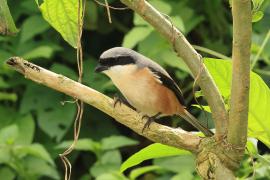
[
  {"x": 257, "y": 16},
  {"x": 36, "y": 150},
  {"x": 55, "y": 122},
  {"x": 186, "y": 175},
  {"x": 64, "y": 70},
  {"x": 7, "y": 25},
  {"x": 114, "y": 142},
  {"x": 162, "y": 6},
  {"x": 26, "y": 127},
  {"x": 82, "y": 144},
  {"x": 63, "y": 16},
  {"x": 256, "y": 4},
  {"x": 7, "y": 173},
  {"x": 3, "y": 84},
  {"x": 8, "y": 116},
  {"x": 43, "y": 51},
  {"x": 8, "y": 96},
  {"x": 52, "y": 117},
  {"x": 36, "y": 168},
  {"x": 251, "y": 146},
  {"x": 259, "y": 97},
  {"x": 136, "y": 35},
  {"x": 152, "y": 151},
  {"x": 177, "y": 164},
  {"x": 140, "y": 171},
  {"x": 39, "y": 52},
  {"x": 9, "y": 134},
  {"x": 111, "y": 176},
  {"x": 28, "y": 31},
  {"x": 111, "y": 157},
  {"x": 171, "y": 59},
  {"x": 178, "y": 22},
  {"x": 139, "y": 21},
  {"x": 5, "y": 154},
  {"x": 109, "y": 162}
]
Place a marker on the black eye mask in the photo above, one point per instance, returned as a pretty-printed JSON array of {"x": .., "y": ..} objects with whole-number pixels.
[{"x": 113, "y": 61}]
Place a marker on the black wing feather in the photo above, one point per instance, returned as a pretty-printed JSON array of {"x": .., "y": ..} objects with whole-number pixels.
[{"x": 169, "y": 83}]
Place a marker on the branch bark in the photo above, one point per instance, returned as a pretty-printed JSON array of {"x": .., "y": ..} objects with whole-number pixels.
[
  {"x": 123, "y": 114},
  {"x": 191, "y": 58},
  {"x": 242, "y": 29}
]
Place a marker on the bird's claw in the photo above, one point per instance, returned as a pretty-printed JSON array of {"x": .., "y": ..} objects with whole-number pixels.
[
  {"x": 117, "y": 100},
  {"x": 150, "y": 119}
]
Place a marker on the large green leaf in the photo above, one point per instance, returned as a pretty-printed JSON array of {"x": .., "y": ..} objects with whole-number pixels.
[
  {"x": 177, "y": 164},
  {"x": 28, "y": 31},
  {"x": 109, "y": 162},
  {"x": 35, "y": 168},
  {"x": 259, "y": 114},
  {"x": 36, "y": 150},
  {"x": 63, "y": 16},
  {"x": 7, "y": 173},
  {"x": 152, "y": 151},
  {"x": 114, "y": 142},
  {"x": 9, "y": 134},
  {"x": 52, "y": 117},
  {"x": 140, "y": 32},
  {"x": 26, "y": 127}
]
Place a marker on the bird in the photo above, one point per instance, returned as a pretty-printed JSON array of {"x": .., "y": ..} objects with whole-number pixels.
[{"x": 145, "y": 85}]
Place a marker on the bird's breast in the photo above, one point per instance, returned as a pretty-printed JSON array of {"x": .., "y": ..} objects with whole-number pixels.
[{"x": 145, "y": 92}]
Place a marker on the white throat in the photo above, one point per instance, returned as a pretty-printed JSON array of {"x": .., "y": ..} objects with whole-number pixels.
[{"x": 120, "y": 71}]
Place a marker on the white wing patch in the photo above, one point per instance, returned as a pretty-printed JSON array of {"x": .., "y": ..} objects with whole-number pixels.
[{"x": 157, "y": 78}]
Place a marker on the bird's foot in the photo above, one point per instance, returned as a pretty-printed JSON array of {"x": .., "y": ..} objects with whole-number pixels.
[
  {"x": 150, "y": 119},
  {"x": 119, "y": 100}
]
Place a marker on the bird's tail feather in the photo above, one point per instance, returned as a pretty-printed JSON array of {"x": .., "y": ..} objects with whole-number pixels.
[{"x": 194, "y": 122}]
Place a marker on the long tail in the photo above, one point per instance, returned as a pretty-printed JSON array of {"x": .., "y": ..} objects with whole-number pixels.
[{"x": 194, "y": 122}]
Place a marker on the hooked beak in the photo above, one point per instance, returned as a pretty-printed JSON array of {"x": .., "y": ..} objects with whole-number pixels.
[{"x": 100, "y": 68}]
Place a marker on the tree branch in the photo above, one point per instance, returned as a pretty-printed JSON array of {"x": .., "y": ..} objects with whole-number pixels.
[
  {"x": 126, "y": 116},
  {"x": 191, "y": 58},
  {"x": 242, "y": 29}
]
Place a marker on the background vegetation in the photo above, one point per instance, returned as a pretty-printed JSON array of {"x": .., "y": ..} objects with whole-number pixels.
[{"x": 36, "y": 124}]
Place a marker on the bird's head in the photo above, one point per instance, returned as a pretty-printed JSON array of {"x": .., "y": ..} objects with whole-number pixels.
[{"x": 115, "y": 59}]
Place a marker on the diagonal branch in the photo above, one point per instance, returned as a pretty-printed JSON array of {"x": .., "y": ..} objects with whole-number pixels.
[
  {"x": 191, "y": 58},
  {"x": 238, "y": 117},
  {"x": 126, "y": 116}
]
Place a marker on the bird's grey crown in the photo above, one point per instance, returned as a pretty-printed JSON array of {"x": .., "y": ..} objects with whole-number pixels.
[
  {"x": 116, "y": 52},
  {"x": 132, "y": 57}
]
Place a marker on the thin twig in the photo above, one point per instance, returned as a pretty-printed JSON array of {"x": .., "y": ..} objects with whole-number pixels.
[
  {"x": 108, "y": 11},
  {"x": 80, "y": 105},
  {"x": 209, "y": 51},
  {"x": 111, "y": 7}
]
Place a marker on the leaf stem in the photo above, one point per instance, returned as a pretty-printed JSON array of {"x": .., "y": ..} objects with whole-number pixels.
[{"x": 209, "y": 51}]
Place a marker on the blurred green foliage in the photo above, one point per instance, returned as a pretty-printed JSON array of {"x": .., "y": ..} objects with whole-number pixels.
[{"x": 36, "y": 122}]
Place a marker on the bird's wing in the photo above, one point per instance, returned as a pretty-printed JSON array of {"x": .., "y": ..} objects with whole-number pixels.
[{"x": 170, "y": 84}]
